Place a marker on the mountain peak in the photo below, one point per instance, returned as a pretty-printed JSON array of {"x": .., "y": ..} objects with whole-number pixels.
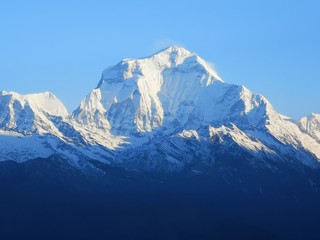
[
  {"x": 167, "y": 111},
  {"x": 178, "y": 56},
  {"x": 45, "y": 102},
  {"x": 147, "y": 89},
  {"x": 176, "y": 50},
  {"x": 173, "y": 57}
]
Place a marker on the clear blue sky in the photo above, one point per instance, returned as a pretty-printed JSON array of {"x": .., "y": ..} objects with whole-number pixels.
[{"x": 272, "y": 47}]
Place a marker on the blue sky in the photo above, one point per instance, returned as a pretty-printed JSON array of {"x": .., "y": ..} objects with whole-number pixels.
[{"x": 271, "y": 47}]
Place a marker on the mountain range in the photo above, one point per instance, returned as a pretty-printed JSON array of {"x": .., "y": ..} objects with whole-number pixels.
[
  {"x": 169, "y": 112},
  {"x": 162, "y": 148}
]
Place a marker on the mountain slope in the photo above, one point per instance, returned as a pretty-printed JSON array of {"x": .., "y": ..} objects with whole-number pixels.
[
  {"x": 36, "y": 126},
  {"x": 148, "y": 113},
  {"x": 30, "y": 113},
  {"x": 138, "y": 95},
  {"x": 311, "y": 126},
  {"x": 175, "y": 90}
]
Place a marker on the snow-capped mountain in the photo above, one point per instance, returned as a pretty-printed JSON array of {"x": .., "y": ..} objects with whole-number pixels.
[
  {"x": 169, "y": 111},
  {"x": 36, "y": 125},
  {"x": 23, "y": 119},
  {"x": 311, "y": 126},
  {"x": 140, "y": 95},
  {"x": 30, "y": 113}
]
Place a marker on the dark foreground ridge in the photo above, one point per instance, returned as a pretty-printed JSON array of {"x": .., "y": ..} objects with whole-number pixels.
[{"x": 50, "y": 199}]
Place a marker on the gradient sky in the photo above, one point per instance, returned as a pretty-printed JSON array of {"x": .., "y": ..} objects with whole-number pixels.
[{"x": 271, "y": 47}]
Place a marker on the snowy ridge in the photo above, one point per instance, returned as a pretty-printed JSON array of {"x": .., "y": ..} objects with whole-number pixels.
[
  {"x": 164, "y": 112},
  {"x": 135, "y": 95},
  {"x": 311, "y": 126},
  {"x": 30, "y": 113},
  {"x": 36, "y": 126}
]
